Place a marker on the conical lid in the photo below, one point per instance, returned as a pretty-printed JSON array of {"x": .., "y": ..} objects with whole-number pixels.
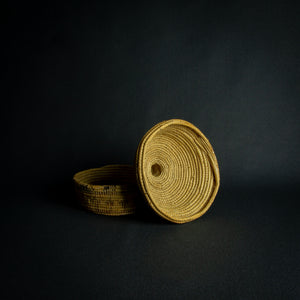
[{"x": 177, "y": 170}]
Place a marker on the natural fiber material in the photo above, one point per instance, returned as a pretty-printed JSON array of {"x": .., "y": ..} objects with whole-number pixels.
[
  {"x": 110, "y": 190},
  {"x": 177, "y": 170}
]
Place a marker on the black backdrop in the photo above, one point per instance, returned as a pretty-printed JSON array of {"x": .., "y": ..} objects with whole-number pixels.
[{"x": 82, "y": 83}]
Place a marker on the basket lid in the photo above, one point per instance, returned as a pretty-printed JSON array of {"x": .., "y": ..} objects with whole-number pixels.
[{"x": 177, "y": 170}]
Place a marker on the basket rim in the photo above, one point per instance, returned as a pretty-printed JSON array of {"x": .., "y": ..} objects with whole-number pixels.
[{"x": 100, "y": 186}]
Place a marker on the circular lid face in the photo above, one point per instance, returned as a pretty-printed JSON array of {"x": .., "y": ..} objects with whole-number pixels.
[{"x": 177, "y": 170}]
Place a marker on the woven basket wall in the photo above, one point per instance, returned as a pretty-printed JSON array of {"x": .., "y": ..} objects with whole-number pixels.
[
  {"x": 110, "y": 190},
  {"x": 177, "y": 171}
]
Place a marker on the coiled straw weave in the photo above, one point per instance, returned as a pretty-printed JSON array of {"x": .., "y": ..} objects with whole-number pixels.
[
  {"x": 110, "y": 190},
  {"x": 177, "y": 170}
]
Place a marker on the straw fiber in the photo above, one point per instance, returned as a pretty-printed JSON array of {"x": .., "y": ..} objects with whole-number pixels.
[
  {"x": 110, "y": 190},
  {"x": 177, "y": 171}
]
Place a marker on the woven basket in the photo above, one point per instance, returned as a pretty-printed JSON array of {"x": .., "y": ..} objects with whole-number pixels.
[
  {"x": 110, "y": 190},
  {"x": 177, "y": 171}
]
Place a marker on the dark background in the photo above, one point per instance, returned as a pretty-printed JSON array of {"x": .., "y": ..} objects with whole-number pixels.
[{"x": 82, "y": 83}]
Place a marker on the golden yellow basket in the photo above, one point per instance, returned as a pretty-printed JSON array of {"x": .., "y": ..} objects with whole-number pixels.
[{"x": 110, "y": 190}]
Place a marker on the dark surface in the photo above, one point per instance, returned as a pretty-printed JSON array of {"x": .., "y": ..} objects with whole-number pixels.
[
  {"x": 245, "y": 247},
  {"x": 82, "y": 83}
]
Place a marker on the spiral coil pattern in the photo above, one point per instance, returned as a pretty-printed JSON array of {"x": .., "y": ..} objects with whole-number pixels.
[
  {"x": 177, "y": 170},
  {"x": 109, "y": 190}
]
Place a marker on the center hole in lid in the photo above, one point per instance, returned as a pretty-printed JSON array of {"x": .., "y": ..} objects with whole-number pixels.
[{"x": 156, "y": 170}]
